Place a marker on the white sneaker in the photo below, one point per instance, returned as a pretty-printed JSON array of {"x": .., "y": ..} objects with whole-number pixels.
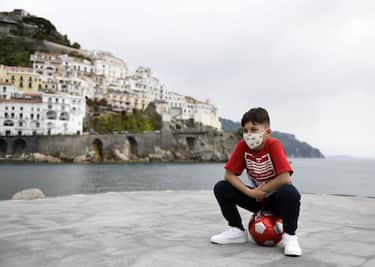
[
  {"x": 232, "y": 235},
  {"x": 291, "y": 245}
]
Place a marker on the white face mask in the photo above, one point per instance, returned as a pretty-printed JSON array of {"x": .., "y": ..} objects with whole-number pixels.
[{"x": 253, "y": 140}]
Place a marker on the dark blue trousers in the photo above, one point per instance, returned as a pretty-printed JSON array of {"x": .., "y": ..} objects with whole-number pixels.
[{"x": 284, "y": 203}]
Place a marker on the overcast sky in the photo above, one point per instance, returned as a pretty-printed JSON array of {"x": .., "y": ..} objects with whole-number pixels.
[{"x": 310, "y": 63}]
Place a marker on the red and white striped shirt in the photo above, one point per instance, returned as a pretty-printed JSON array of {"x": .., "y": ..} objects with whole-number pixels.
[{"x": 261, "y": 166}]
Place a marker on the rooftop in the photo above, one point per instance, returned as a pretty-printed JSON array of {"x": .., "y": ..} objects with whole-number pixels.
[{"x": 25, "y": 98}]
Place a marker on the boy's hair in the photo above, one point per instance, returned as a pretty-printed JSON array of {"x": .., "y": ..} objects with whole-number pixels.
[{"x": 256, "y": 115}]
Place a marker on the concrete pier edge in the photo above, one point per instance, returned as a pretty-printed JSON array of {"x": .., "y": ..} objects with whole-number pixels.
[{"x": 170, "y": 228}]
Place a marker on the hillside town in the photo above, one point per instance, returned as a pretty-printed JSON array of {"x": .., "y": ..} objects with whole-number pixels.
[{"x": 49, "y": 98}]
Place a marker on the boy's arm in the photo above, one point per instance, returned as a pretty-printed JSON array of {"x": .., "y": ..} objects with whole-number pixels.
[
  {"x": 256, "y": 193},
  {"x": 276, "y": 183}
]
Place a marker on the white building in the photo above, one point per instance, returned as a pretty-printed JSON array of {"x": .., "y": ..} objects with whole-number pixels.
[
  {"x": 6, "y": 90},
  {"x": 46, "y": 64},
  {"x": 63, "y": 113},
  {"x": 74, "y": 66},
  {"x": 41, "y": 114},
  {"x": 77, "y": 86},
  {"x": 202, "y": 112},
  {"x": 106, "y": 77},
  {"x": 142, "y": 88},
  {"x": 109, "y": 66},
  {"x": 143, "y": 81},
  {"x": 52, "y": 64},
  {"x": 186, "y": 108}
]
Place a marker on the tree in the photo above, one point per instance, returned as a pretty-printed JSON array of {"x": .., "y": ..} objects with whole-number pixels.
[{"x": 76, "y": 45}]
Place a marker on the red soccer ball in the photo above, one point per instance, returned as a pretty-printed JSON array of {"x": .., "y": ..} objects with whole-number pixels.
[{"x": 265, "y": 228}]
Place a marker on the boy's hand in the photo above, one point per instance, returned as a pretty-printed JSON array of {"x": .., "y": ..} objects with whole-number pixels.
[{"x": 258, "y": 194}]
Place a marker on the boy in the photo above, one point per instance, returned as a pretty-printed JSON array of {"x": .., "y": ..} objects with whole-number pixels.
[{"x": 269, "y": 173}]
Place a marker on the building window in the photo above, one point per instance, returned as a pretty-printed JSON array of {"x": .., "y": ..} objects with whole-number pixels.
[
  {"x": 37, "y": 116},
  {"x": 12, "y": 115},
  {"x": 31, "y": 116},
  {"x": 64, "y": 116},
  {"x": 8, "y": 123},
  {"x": 21, "y": 108},
  {"x": 51, "y": 115},
  {"x": 4, "y": 89},
  {"x": 21, "y": 84},
  {"x": 6, "y": 115},
  {"x": 21, "y": 115}
]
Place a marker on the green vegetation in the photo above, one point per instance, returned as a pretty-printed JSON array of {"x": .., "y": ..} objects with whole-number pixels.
[
  {"x": 137, "y": 121},
  {"x": 76, "y": 45},
  {"x": 154, "y": 116},
  {"x": 15, "y": 53},
  {"x": 45, "y": 30},
  {"x": 109, "y": 122}
]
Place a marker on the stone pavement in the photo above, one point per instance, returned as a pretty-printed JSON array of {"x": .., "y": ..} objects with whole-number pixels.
[{"x": 172, "y": 228}]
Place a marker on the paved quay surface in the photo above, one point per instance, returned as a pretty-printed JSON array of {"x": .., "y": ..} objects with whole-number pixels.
[{"x": 172, "y": 228}]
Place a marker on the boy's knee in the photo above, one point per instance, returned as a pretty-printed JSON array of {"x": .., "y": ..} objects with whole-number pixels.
[
  {"x": 221, "y": 187},
  {"x": 289, "y": 192}
]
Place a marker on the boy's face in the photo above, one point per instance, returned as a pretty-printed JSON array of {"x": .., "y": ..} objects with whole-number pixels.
[{"x": 251, "y": 127}]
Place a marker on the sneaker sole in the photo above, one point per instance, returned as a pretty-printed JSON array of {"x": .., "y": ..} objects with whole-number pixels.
[
  {"x": 293, "y": 255},
  {"x": 290, "y": 254},
  {"x": 227, "y": 243}
]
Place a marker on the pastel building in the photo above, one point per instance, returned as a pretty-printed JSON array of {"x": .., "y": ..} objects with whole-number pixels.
[
  {"x": 24, "y": 79},
  {"x": 127, "y": 101}
]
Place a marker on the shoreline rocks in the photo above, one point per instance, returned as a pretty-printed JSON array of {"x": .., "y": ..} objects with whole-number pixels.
[{"x": 29, "y": 194}]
